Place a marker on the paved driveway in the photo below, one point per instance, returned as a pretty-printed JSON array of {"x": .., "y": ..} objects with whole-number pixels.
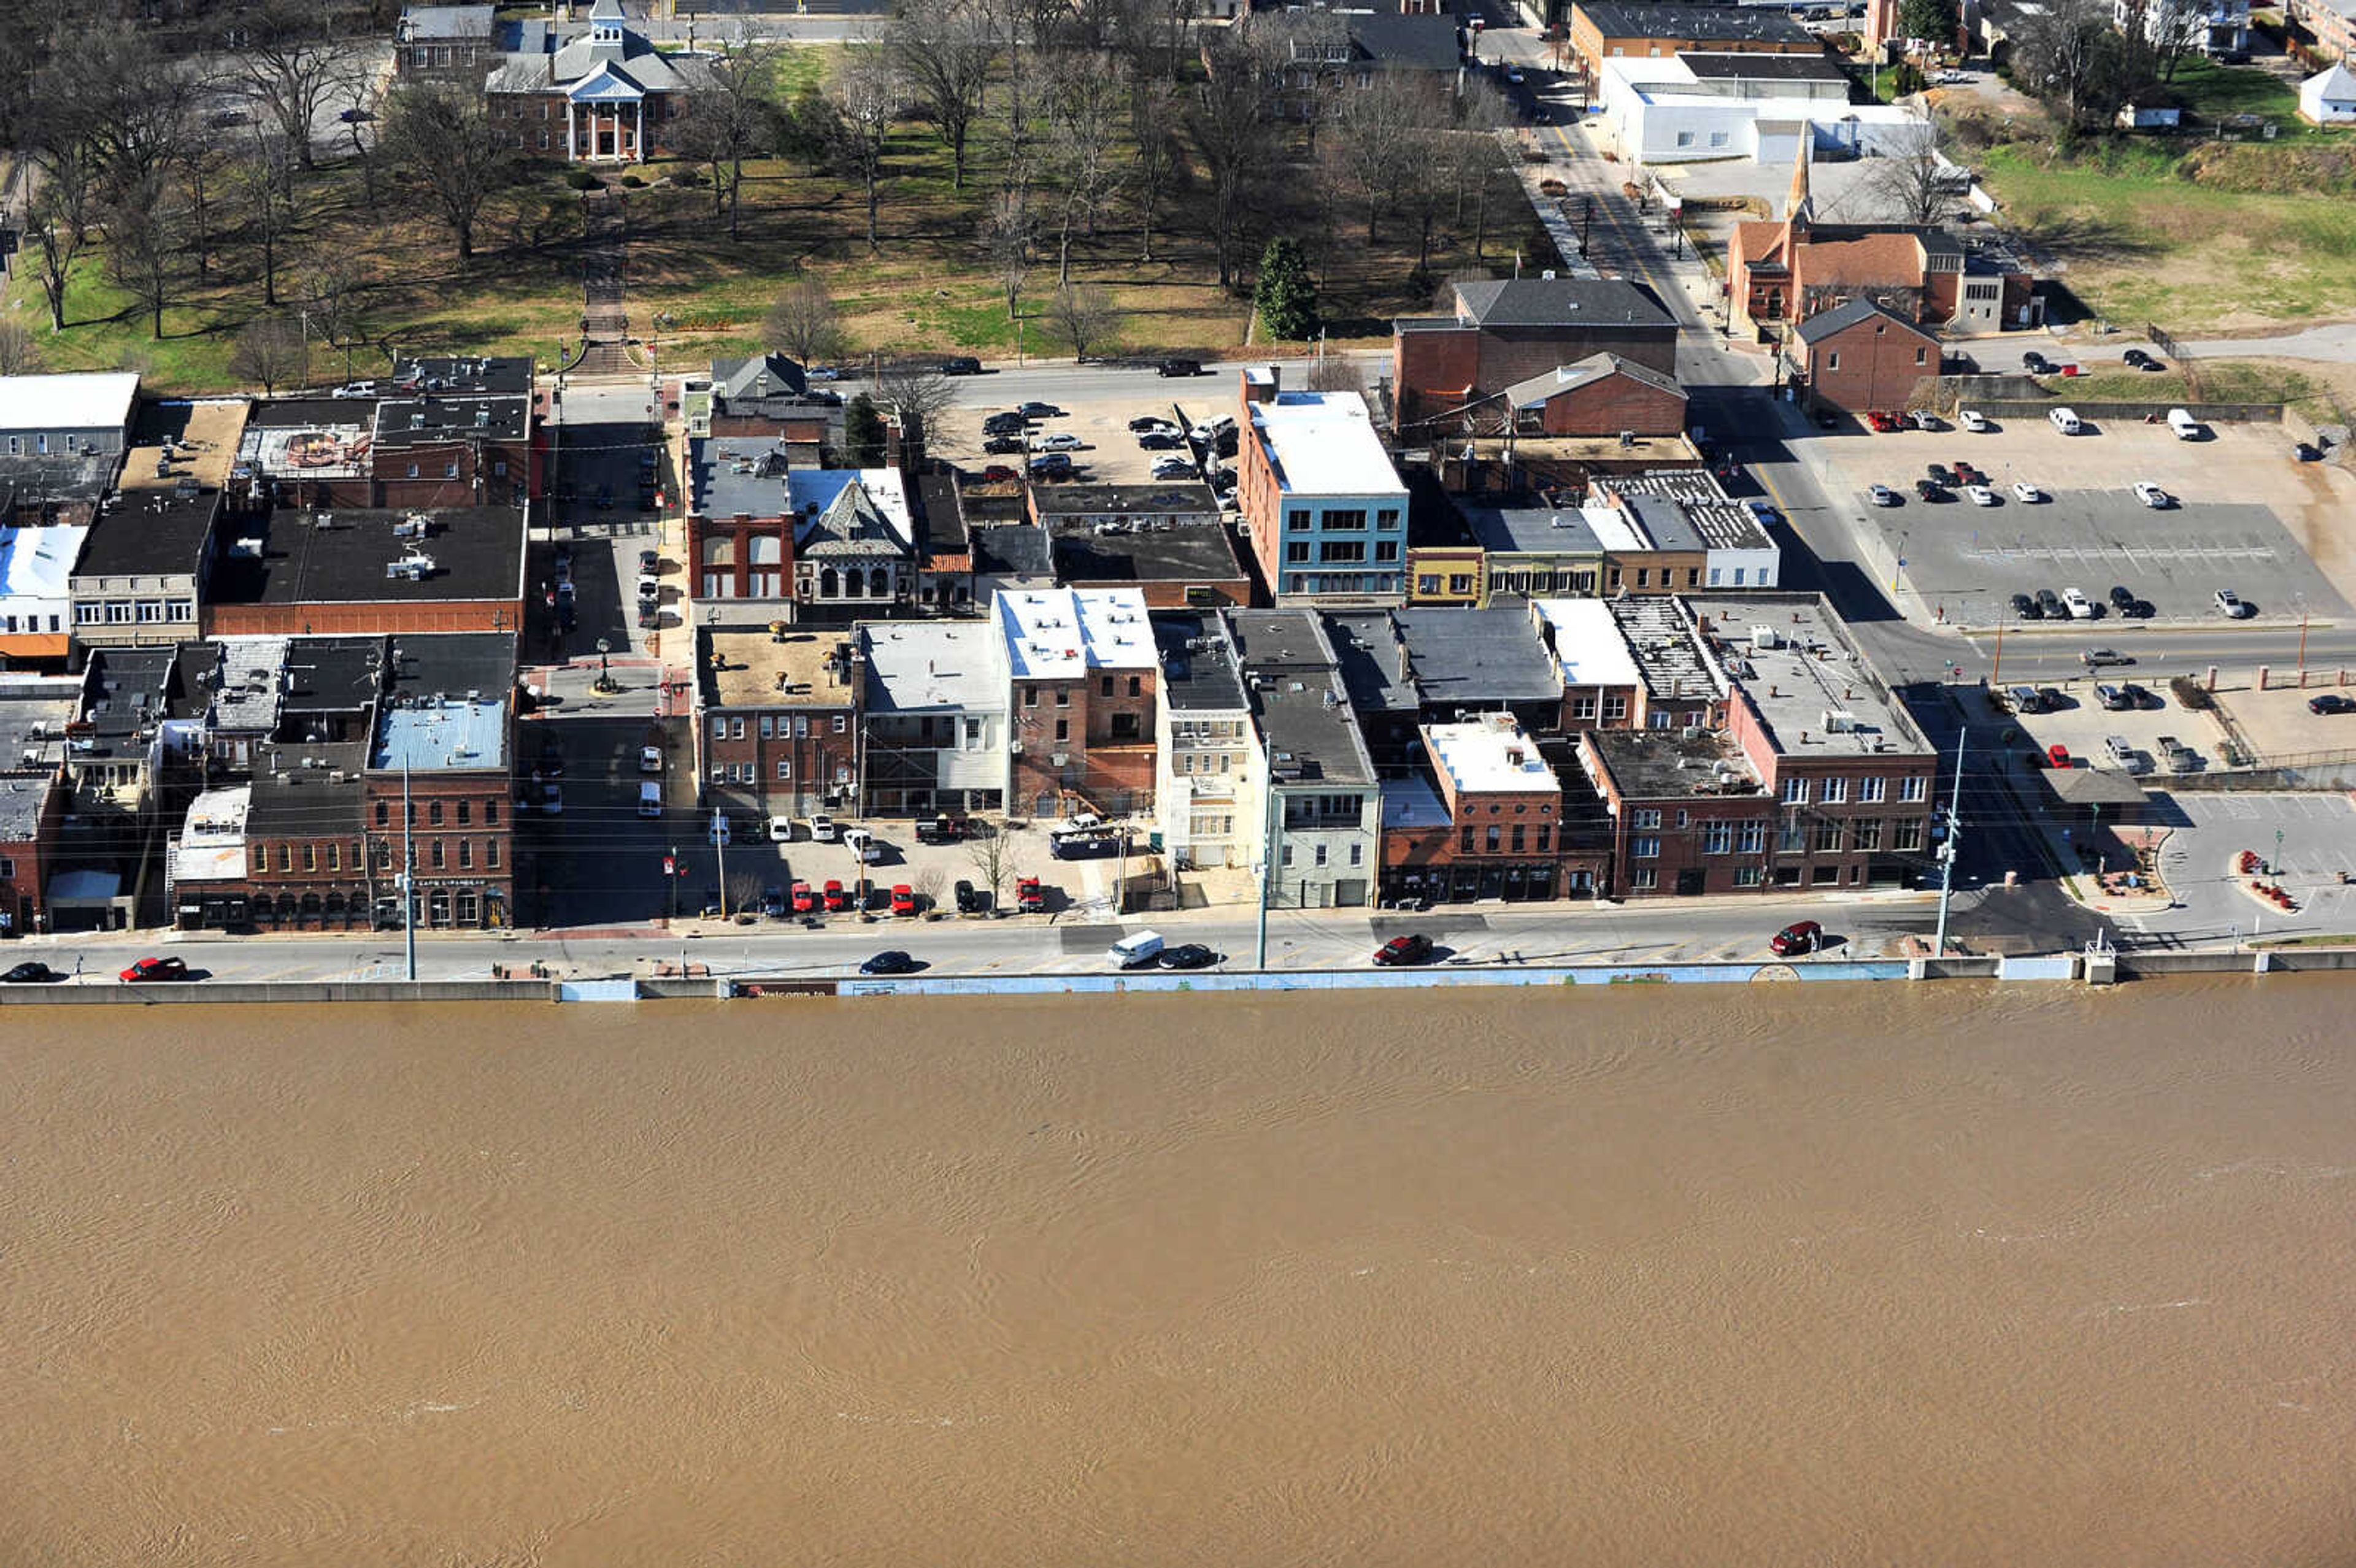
[{"x": 2318, "y": 844}]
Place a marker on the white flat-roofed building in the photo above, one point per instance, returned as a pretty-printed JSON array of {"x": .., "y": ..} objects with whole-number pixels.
[
  {"x": 1326, "y": 509},
  {"x": 35, "y": 605},
  {"x": 1084, "y": 688},
  {"x": 932, "y": 717},
  {"x": 49, "y": 416}
]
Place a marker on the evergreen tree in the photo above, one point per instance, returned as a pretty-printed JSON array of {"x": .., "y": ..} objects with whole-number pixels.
[
  {"x": 1930, "y": 20},
  {"x": 1284, "y": 298},
  {"x": 863, "y": 431}
]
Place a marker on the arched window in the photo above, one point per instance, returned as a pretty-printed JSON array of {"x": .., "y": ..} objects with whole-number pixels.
[
  {"x": 829, "y": 584},
  {"x": 879, "y": 584}
]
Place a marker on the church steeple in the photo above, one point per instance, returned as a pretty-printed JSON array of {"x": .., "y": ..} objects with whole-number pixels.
[{"x": 1799, "y": 209}]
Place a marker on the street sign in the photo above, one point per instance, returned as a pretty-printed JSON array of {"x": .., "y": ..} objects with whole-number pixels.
[{"x": 670, "y": 867}]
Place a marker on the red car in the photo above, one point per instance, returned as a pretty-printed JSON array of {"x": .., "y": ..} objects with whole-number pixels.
[
  {"x": 903, "y": 898},
  {"x": 999, "y": 474},
  {"x": 804, "y": 898},
  {"x": 1028, "y": 899},
  {"x": 1403, "y": 950},
  {"x": 148, "y": 969},
  {"x": 2057, "y": 756},
  {"x": 837, "y": 900},
  {"x": 1801, "y": 937},
  {"x": 1883, "y": 421}
]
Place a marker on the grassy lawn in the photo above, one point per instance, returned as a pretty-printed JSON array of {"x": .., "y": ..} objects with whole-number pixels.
[
  {"x": 931, "y": 287},
  {"x": 2144, "y": 243}
]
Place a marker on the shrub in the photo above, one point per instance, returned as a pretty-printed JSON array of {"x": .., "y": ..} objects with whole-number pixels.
[
  {"x": 581, "y": 179},
  {"x": 632, "y": 182},
  {"x": 2191, "y": 693}
]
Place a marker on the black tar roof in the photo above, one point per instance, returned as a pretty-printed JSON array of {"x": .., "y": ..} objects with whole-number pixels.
[
  {"x": 462, "y": 377},
  {"x": 456, "y": 662},
  {"x": 1458, "y": 657},
  {"x": 940, "y": 516},
  {"x": 331, "y": 675},
  {"x": 123, "y": 683},
  {"x": 417, "y": 422},
  {"x": 1096, "y": 503},
  {"x": 1412, "y": 43},
  {"x": 1760, "y": 67},
  {"x": 302, "y": 414},
  {"x": 1170, "y": 552},
  {"x": 290, "y": 800},
  {"x": 1644, "y": 19},
  {"x": 1197, "y": 669},
  {"x": 150, "y": 533},
  {"x": 1012, "y": 550},
  {"x": 478, "y": 553}
]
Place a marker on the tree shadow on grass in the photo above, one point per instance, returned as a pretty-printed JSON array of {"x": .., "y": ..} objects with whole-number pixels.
[{"x": 2087, "y": 237}]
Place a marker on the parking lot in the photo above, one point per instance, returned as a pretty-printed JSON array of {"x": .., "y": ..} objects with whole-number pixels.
[
  {"x": 931, "y": 871},
  {"x": 2317, "y": 847},
  {"x": 2082, "y": 724},
  {"x": 1107, "y": 453},
  {"x": 2246, "y": 518}
]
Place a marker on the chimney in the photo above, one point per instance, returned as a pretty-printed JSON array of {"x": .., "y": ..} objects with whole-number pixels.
[{"x": 1262, "y": 382}]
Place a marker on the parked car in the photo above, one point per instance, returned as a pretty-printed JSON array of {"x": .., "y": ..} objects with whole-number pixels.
[
  {"x": 1882, "y": 421},
  {"x": 2152, "y": 496},
  {"x": 2136, "y": 697},
  {"x": 718, "y": 831},
  {"x": 1980, "y": 494},
  {"x": 903, "y": 898},
  {"x": 2036, "y": 364},
  {"x": 772, "y": 903},
  {"x": 969, "y": 899},
  {"x": 2022, "y": 490},
  {"x": 2104, "y": 658},
  {"x": 1940, "y": 474},
  {"x": 942, "y": 828},
  {"x": 2110, "y": 697},
  {"x": 891, "y": 961},
  {"x": 1765, "y": 516},
  {"x": 824, "y": 829},
  {"x": 961, "y": 365},
  {"x": 836, "y": 899},
  {"x": 2057, "y": 755},
  {"x": 1972, "y": 420},
  {"x": 1161, "y": 440},
  {"x": 1055, "y": 466},
  {"x": 1187, "y": 956},
  {"x": 803, "y": 899},
  {"x": 1922, "y": 419},
  {"x": 1800, "y": 936},
  {"x": 1402, "y": 951},
  {"x": 781, "y": 830},
  {"x": 1967, "y": 474},
  {"x": 2025, "y": 608},
  {"x": 999, "y": 474},
  {"x": 30, "y": 973},
  {"x": 862, "y": 844},
  {"x": 1883, "y": 496},
  {"x": 2331, "y": 702},
  {"x": 1144, "y": 422},
  {"x": 2050, "y": 603},
  {"x": 2122, "y": 600},
  {"x": 1035, "y": 409},
  {"x": 1001, "y": 446},
  {"x": 149, "y": 970},
  {"x": 651, "y": 759},
  {"x": 1932, "y": 490},
  {"x": 1004, "y": 420},
  {"x": 1179, "y": 367},
  {"x": 2231, "y": 605},
  {"x": 1175, "y": 467},
  {"x": 1030, "y": 898},
  {"x": 2078, "y": 605}
]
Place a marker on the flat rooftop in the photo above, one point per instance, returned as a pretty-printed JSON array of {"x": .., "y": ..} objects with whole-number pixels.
[
  {"x": 1066, "y": 632},
  {"x": 1708, "y": 66},
  {"x": 1488, "y": 756},
  {"x": 1815, "y": 691},
  {"x": 1198, "y": 668},
  {"x": 95, "y": 400},
  {"x": 1295, "y": 688},
  {"x": 1663, "y": 19},
  {"x": 296, "y": 792},
  {"x": 306, "y": 438},
  {"x": 347, "y": 555},
  {"x": 212, "y": 837},
  {"x": 34, "y": 713},
  {"x": 128, "y": 692},
  {"x": 1323, "y": 443},
  {"x": 441, "y": 734},
  {"x": 150, "y": 533},
  {"x": 918, "y": 667},
  {"x": 428, "y": 422},
  {"x": 1413, "y": 802},
  {"x": 1470, "y": 657},
  {"x": 1590, "y": 649},
  {"x": 729, "y": 475},
  {"x": 182, "y": 438},
  {"x": 1667, "y": 650},
  {"x": 1662, "y": 764},
  {"x": 1533, "y": 530},
  {"x": 1062, "y": 505},
  {"x": 1195, "y": 550},
  {"x": 461, "y": 375},
  {"x": 35, "y": 564},
  {"x": 753, "y": 668}
]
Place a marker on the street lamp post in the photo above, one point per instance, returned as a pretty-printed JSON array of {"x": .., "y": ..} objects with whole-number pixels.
[{"x": 605, "y": 669}]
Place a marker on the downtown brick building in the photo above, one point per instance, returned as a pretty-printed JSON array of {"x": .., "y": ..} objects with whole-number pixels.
[{"x": 1083, "y": 688}]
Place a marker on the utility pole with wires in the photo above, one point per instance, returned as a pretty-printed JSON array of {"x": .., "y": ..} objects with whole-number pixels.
[
  {"x": 1953, "y": 829},
  {"x": 1268, "y": 830},
  {"x": 408, "y": 877},
  {"x": 719, "y": 850}
]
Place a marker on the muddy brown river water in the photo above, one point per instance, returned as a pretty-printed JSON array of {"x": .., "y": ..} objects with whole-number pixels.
[{"x": 1767, "y": 1274}]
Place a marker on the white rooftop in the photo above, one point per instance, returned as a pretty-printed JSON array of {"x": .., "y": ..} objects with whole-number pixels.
[
  {"x": 1486, "y": 755},
  {"x": 1588, "y": 645},
  {"x": 212, "y": 840},
  {"x": 35, "y": 563},
  {"x": 1323, "y": 443},
  {"x": 1614, "y": 529},
  {"x": 812, "y": 490},
  {"x": 916, "y": 665},
  {"x": 1051, "y": 631},
  {"x": 98, "y": 399}
]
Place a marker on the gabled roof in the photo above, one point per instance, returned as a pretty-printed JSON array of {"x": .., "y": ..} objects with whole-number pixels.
[
  {"x": 2338, "y": 84},
  {"x": 851, "y": 524},
  {"x": 762, "y": 376},
  {"x": 1583, "y": 373},
  {"x": 1849, "y": 314},
  {"x": 606, "y": 84},
  {"x": 1406, "y": 43},
  {"x": 1557, "y": 302}
]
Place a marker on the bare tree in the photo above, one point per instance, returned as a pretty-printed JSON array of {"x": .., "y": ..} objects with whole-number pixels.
[
  {"x": 1231, "y": 123},
  {"x": 1160, "y": 162},
  {"x": 145, "y": 242},
  {"x": 1336, "y": 373},
  {"x": 991, "y": 848},
  {"x": 1477, "y": 159},
  {"x": 131, "y": 106},
  {"x": 1085, "y": 114},
  {"x": 1910, "y": 182},
  {"x": 264, "y": 179},
  {"x": 916, "y": 394},
  {"x": 63, "y": 208},
  {"x": 1007, "y": 236},
  {"x": 270, "y": 351},
  {"x": 19, "y": 354},
  {"x": 926, "y": 886},
  {"x": 2069, "y": 48},
  {"x": 290, "y": 66},
  {"x": 867, "y": 99},
  {"x": 804, "y": 323},
  {"x": 943, "y": 49},
  {"x": 733, "y": 119},
  {"x": 439, "y": 138},
  {"x": 1378, "y": 138},
  {"x": 1082, "y": 315},
  {"x": 332, "y": 300}
]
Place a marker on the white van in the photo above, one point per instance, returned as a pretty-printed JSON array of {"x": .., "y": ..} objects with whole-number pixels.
[
  {"x": 2186, "y": 427},
  {"x": 1135, "y": 951},
  {"x": 650, "y": 799},
  {"x": 2065, "y": 420}
]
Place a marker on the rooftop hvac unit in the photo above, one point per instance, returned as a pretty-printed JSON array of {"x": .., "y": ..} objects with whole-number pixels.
[
  {"x": 1766, "y": 637},
  {"x": 1839, "y": 722}
]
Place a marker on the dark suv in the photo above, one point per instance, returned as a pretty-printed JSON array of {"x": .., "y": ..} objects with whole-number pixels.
[{"x": 1179, "y": 367}]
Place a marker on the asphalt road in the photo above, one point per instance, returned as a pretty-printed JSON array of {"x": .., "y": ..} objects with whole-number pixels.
[{"x": 1655, "y": 931}]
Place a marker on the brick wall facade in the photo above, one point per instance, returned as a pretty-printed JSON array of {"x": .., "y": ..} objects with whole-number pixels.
[
  {"x": 760, "y": 762},
  {"x": 1874, "y": 364},
  {"x": 1104, "y": 737}
]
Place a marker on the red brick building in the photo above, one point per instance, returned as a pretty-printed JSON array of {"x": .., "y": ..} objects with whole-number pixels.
[
  {"x": 1083, "y": 679},
  {"x": 1499, "y": 831},
  {"x": 32, "y": 807},
  {"x": 777, "y": 724},
  {"x": 1447, "y": 370},
  {"x": 1602, "y": 394},
  {"x": 1860, "y": 356}
]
